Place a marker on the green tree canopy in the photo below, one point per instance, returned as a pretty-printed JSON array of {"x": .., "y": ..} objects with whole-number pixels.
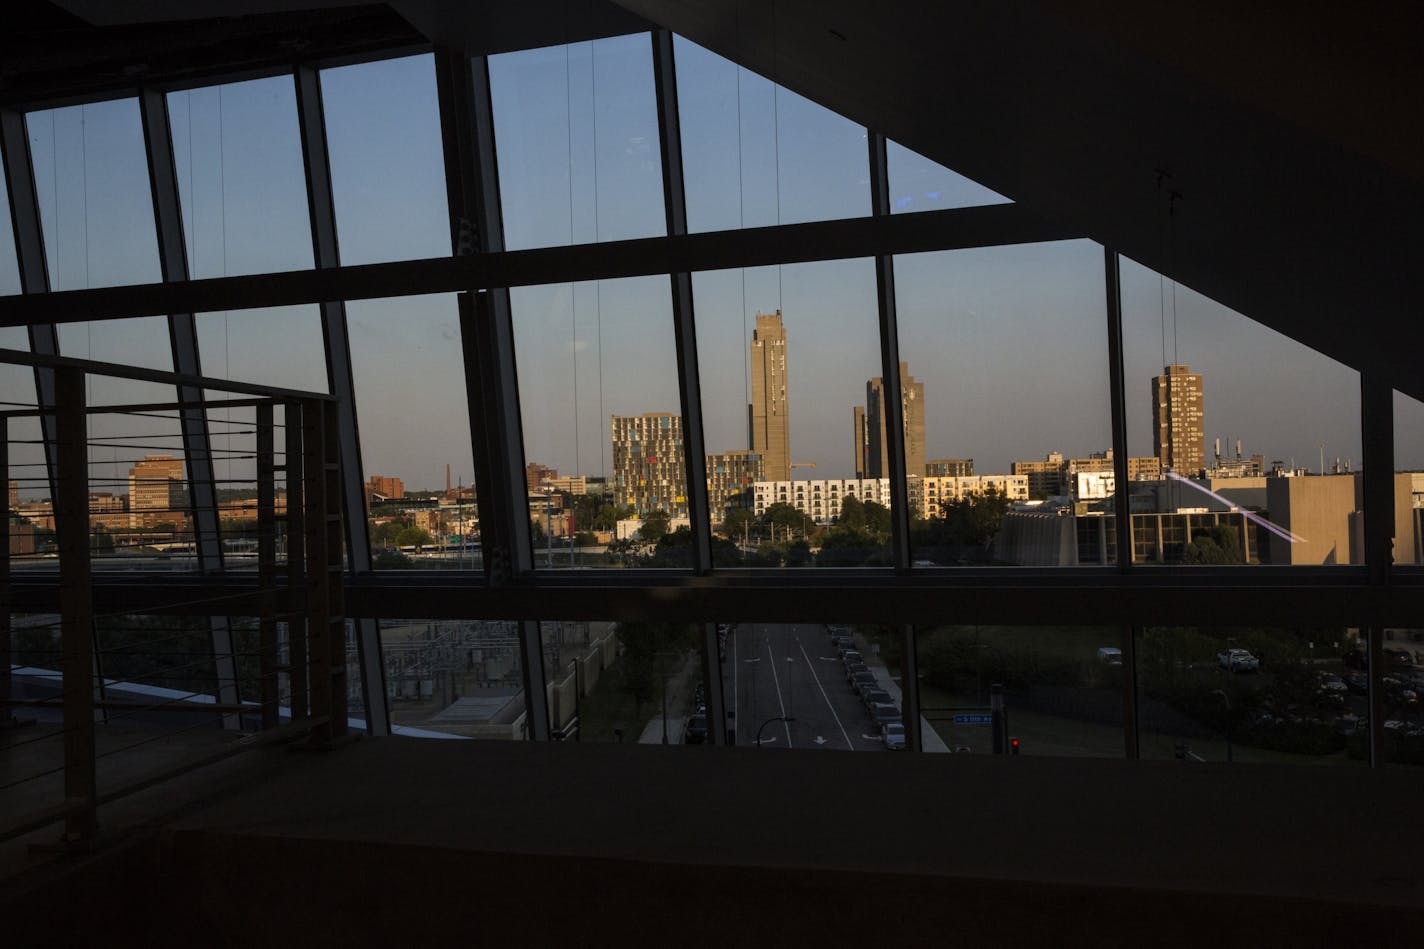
[
  {"x": 1215, "y": 545},
  {"x": 655, "y": 525}
]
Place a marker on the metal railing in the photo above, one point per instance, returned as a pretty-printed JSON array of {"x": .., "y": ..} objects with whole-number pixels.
[{"x": 97, "y": 705}]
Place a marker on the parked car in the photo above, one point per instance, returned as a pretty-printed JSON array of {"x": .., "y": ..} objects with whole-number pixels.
[
  {"x": 696, "y": 731},
  {"x": 1332, "y": 683},
  {"x": 1357, "y": 682},
  {"x": 1110, "y": 656},
  {"x": 882, "y": 713},
  {"x": 871, "y": 696},
  {"x": 893, "y": 734},
  {"x": 851, "y": 655},
  {"x": 1238, "y": 660},
  {"x": 852, "y": 668},
  {"x": 842, "y": 641},
  {"x": 862, "y": 681}
]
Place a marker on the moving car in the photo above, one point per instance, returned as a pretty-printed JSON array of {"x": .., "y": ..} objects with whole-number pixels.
[
  {"x": 1238, "y": 660},
  {"x": 696, "y": 732}
]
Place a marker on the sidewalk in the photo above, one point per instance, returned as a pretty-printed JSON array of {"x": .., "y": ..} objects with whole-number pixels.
[
  {"x": 929, "y": 738},
  {"x": 653, "y": 731}
]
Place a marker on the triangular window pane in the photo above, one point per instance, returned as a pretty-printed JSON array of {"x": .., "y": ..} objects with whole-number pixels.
[{"x": 918, "y": 184}]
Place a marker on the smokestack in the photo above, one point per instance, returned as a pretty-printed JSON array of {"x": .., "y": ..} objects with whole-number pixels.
[{"x": 447, "y": 478}]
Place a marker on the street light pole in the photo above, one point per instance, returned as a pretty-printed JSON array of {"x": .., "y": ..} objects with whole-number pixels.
[
  {"x": 1227, "y": 700},
  {"x": 779, "y": 718}
]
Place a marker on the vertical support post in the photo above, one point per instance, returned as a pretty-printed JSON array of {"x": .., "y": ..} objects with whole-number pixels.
[
  {"x": 890, "y": 365},
  {"x": 910, "y": 692},
  {"x": 6, "y": 718},
  {"x": 183, "y": 338},
  {"x": 30, "y": 257},
  {"x": 894, "y": 432},
  {"x": 1122, "y": 506},
  {"x": 326, "y": 623},
  {"x": 536, "y": 691},
  {"x": 1122, "y": 490},
  {"x": 337, "y": 344},
  {"x": 1377, "y": 428},
  {"x": 71, "y": 521},
  {"x": 299, "y": 678},
  {"x": 267, "y": 565},
  {"x": 1374, "y": 662},
  {"x": 1132, "y": 747},
  {"x": 689, "y": 372},
  {"x": 486, "y": 330},
  {"x": 999, "y": 719}
]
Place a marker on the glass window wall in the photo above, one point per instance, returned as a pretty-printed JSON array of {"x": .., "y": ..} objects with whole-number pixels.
[
  {"x": 1247, "y": 425},
  {"x": 576, "y": 132}
]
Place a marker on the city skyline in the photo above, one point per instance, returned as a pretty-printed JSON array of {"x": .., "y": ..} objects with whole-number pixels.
[{"x": 1009, "y": 341}]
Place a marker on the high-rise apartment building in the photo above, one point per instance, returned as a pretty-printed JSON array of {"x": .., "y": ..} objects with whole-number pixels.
[
  {"x": 730, "y": 477},
  {"x": 648, "y": 470},
  {"x": 1178, "y": 421},
  {"x": 873, "y": 459},
  {"x": 770, "y": 423},
  {"x": 156, "y": 491}
]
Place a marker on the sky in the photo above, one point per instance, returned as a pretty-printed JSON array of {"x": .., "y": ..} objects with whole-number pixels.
[{"x": 1009, "y": 342}]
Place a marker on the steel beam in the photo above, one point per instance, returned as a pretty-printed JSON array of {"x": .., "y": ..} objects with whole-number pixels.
[
  {"x": 337, "y": 345},
  {"x": 956, "y": 228},
  {"x": 183, "y": 338},
  {"x": 71, "y": 521},
  {"x": 30, "y": 256},
  {"x": 892, "y": 409}
]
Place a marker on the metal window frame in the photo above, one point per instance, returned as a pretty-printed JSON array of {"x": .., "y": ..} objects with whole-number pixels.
[
  {"x": 33, "y": 267},
  {"x": 183, "y": 341},
  {"x": 336, "y": 342},
  {"x": 689, "y": 369}
]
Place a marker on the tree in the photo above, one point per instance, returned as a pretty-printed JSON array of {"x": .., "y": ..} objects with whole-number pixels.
[
  {"x": 852, "y": 514},
  {"x": 850, "y": 547},
  {"x": 782, "y": 517},
  {"x": 1215, "y": 545},
  {"x": 655, "y": 525},
  {"x": 391, "y": 560},
  {"x": 877, "y": 518},
  {"x": 412, "y": 537},
  {"x": 737, "y": 522}
]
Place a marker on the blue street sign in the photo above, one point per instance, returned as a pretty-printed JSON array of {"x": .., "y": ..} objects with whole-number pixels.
[{"x": 974, "y": 719}]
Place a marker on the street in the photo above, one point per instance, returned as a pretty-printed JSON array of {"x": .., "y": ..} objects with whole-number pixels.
[{"x": 792, "y": 671}]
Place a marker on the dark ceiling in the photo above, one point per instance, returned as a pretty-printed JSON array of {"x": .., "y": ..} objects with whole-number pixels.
[{"x": 1290, "y": 132}]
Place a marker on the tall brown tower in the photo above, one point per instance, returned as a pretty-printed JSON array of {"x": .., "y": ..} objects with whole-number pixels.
[
  {"x": 871, "y": 431},
  {"x": 1178, "y": 420},
  {"x": 771, "y": 425}
]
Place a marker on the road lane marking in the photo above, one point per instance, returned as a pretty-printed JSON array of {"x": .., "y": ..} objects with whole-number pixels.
[
  {"x": 827, "y": 698},
  {"x": 776, "y": 680}
]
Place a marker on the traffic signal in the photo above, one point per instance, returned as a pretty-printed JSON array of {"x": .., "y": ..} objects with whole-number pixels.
[{"x": 1013, "y": 746}]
